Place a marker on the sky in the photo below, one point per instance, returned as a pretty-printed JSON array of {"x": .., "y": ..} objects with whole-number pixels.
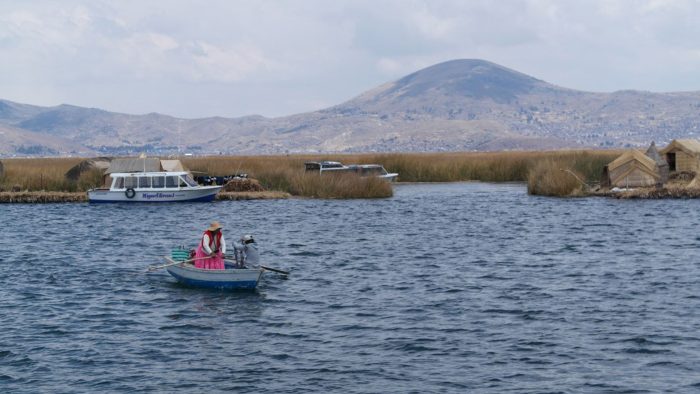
[{"x": 233, "y": 58}]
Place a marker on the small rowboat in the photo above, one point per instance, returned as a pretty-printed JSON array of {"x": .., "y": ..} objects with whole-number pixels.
[{"x": 229, "y": 279}]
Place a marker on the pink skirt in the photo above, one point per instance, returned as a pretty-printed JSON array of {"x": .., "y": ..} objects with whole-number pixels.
[{"x": 206, "y": 262}]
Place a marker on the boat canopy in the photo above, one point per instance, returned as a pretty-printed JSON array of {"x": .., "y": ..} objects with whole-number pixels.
[{"x": 157, "y": 180}]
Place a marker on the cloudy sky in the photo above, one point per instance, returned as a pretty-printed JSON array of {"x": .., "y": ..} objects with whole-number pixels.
[{"x": 234, "y": 58}]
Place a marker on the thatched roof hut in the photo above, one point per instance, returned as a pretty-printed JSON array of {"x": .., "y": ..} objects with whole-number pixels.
[
  {"x": 100, "y": 163},
  {"x": 143, "y": 164},
  {"x": 682, "y": 155},
  {"x": 633, "y": 169},
  {"x": 172, "y": 165},
  {"x": 134, "y": 164},
  {"x": 662, "y": 164}
]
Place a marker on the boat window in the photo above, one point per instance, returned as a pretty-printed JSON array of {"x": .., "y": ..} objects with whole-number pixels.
[
  {"x": 130, "y": 182},
  {"x": 118, "y": 183},
  {"x": 170, "y": 181},
  {"x": 373, "y": 171},
  {"x": 144, "y": 182},
  {"x": 188, "y": 179},
  {"x": 332, "y": 165},
  {"x": 312, "y": 166},
  {"x": 158, "y": 181}
]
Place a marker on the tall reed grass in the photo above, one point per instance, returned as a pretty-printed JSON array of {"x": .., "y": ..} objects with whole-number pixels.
[
  {"x": 550, "y": 178},
  {"x": 421, "y": 167},
  {"x": 38, "y": 174},
  {"x": 286, "y": 172}
]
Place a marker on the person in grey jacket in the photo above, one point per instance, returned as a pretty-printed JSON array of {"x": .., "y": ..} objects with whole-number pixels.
[{"x": 246, "y": 251}]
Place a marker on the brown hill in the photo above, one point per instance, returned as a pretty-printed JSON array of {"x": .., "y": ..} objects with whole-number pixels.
[{"x": 456, "y": 105}]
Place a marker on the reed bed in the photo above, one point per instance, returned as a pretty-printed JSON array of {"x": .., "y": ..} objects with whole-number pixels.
[
  {"x": 550, "y": 178},
  {"x": 653, "y": 193},
  {"x": 266, "y": 195},
  {"x": 285, "y": 173},
  {"x": 421, "y": 167},
  {"x": 343, "y": 186},
  {"x": 38, "y": 174},
  {"x": 41, "y": 197}
]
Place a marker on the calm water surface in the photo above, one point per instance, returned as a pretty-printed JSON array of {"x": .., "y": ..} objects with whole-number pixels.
[{"x": 444, "y": 288}]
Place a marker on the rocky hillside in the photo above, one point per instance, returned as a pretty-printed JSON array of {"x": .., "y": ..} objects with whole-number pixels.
[{"x": 456, "y": 105}]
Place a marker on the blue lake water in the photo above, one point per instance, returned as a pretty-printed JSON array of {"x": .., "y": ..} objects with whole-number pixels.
[{"x": 464, "y": 287}]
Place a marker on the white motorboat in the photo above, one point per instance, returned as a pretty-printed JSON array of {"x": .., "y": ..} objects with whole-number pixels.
[
  {"x": 163, "y": 186},
  {"x": 363, "y": 170},
  {"x": 374, "y": 170}
]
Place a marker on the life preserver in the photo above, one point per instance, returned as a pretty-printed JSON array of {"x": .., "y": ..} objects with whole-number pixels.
[{"x": 130, "y": 193}]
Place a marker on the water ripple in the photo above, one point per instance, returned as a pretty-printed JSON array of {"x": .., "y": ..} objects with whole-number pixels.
[{"x": 444, "y": 288}]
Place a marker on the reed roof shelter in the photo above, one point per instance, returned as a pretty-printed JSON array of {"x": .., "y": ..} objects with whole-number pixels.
[
  {"x": 134, "y": 164},
  {"x": 682, "y": 155},
  {"x": 633, "y": 169},
  {"x": 141, "y": 164},
  {"x": 97, "y": 163},
  {"x": 661, "y": 163}
]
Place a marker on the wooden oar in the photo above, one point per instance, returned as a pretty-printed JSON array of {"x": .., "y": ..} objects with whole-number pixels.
[
  {"x": 172, "y": 262},
  {"x": 279, "y": 271}
]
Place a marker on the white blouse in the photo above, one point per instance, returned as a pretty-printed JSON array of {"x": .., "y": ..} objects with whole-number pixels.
[{"x": 205, "y": 244}]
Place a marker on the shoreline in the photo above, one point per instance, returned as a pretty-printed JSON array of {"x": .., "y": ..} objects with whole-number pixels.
[
  {"x": 43, "y": 197},
  {"x": 651, "y": 193}
]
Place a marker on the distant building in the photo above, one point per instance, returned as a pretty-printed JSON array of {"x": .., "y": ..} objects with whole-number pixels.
[
  {"x": 682, "y": 155},
  {"x": 97, "y": 163},
  {"x": 134, "y": 164},
  {"x": 632, "y": 169}
]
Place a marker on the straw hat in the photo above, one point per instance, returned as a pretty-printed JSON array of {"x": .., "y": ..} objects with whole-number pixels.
[{"x": 214, "y": 226}]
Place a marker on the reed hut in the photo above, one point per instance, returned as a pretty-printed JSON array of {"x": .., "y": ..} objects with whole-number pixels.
[
  {"x": 172, "y": 165},
  {"x": 682, "y": 155},
  {"x": 2, "y": 170},
  {"x": 98, "y": 163},
  {"x": 144, "y": 164},
  {"x": 661, "y": 164},
  {"x": 633, "y": 169},
  {"x": 134, "y": 164}
]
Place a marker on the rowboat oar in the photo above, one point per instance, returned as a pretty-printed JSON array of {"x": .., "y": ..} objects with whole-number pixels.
[
  {"x": 279, "y": 271},
  {"x": 172, "y": 262}
]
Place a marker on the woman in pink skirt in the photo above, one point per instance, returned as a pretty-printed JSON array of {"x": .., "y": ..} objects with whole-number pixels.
[{"x": 212, "y": 249}]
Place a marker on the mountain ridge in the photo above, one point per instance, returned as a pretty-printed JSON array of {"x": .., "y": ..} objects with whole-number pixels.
[{"x": 463, "y": 104}]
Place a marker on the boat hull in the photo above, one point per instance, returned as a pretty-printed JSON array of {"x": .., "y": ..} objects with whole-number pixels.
[
  {"x": 201, "y": 194},
  {"x": 228, "y": 279},
  {"x": 391, "y": 177}
]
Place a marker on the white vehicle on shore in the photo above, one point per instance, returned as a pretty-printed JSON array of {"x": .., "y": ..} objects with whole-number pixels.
[{"x": 161, "y": 186}]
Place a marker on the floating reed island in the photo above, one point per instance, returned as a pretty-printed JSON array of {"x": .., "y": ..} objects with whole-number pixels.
[
  {"x": 670, "y": 172},
  {"x": 285, "y": 174},
  {"x": 547, "y": 173}
]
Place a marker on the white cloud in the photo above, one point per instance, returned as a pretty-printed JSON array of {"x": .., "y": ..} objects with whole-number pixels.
[{"x": 277, "y": 58}]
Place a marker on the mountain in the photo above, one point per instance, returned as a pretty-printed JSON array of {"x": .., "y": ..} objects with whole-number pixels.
[{"x": 455, "y": 105}]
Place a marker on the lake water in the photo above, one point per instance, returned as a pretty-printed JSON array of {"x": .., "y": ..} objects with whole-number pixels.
[{"x": 464, "y": 287}]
